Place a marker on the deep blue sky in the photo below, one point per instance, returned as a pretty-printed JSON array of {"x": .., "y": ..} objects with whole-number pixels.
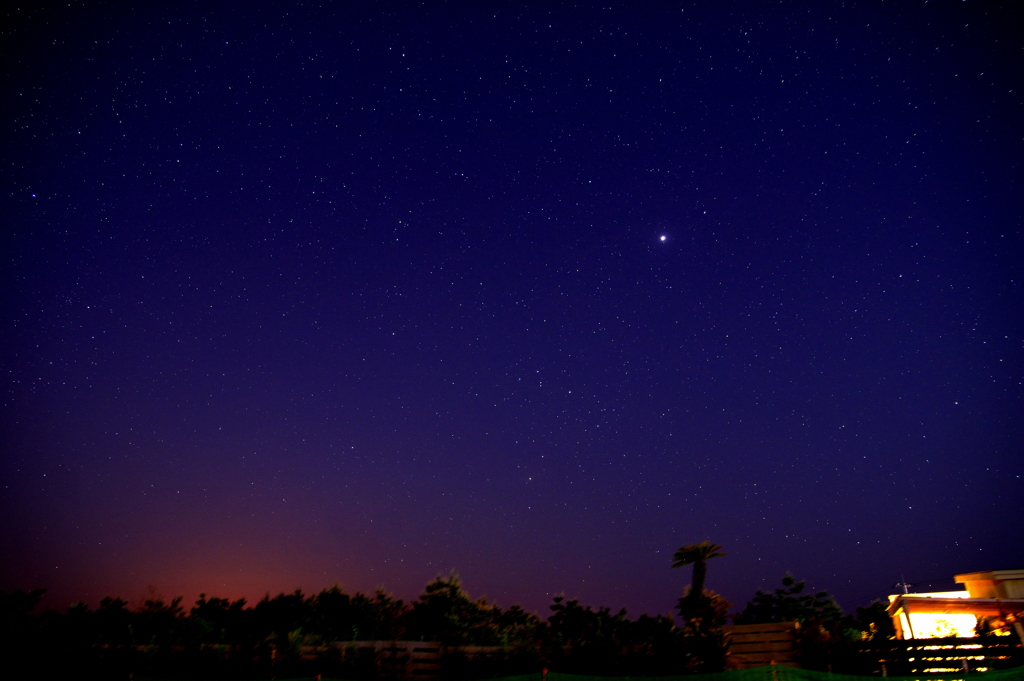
[{"x": 305, "y": 293}]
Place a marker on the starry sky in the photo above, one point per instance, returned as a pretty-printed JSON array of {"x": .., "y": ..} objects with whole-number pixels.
[{"x": 301, "y": 293}]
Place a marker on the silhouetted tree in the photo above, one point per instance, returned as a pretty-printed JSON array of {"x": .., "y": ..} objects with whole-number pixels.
[
  {"x": 703, "y": 635},
  {"x": 16, "y": 611},
  {"x": 381, "y": 617},
  {"x": 826, "y": 638},
  {"x": 219, "y": 620},
  {"x": 157, "y": 622},
  {"x": 444, "y": 612},
  {"x": 656, "y": 648},
  {"x": 585, "y": 641},
  {"x": 331, "y": 615},
  {"x": 20, "y": 631},
  {"x": 703, "y": 612},
  {"x": 114, "y": 622},
  {"x": 874, "y": 621},
  {"x": 790, "y": 604},
  {"x": 698, "y": 556}
]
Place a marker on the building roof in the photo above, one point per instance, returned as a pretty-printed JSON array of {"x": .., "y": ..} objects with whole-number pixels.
[{"x": 987, "y": 607}]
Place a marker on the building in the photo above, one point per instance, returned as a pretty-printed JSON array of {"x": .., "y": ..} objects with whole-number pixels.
[{"x": 994, "y": 600}]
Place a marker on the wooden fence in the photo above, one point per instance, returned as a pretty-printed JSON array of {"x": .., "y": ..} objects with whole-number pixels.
[
  {"x": 399, "y": 660},
  {"x": 753, "y": 645}
]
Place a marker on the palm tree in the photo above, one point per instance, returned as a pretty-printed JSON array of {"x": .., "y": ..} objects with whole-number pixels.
[{"x": 697, "y": 555}]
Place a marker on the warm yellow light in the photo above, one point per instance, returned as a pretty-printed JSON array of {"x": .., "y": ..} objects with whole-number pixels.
[
  {"x": 941, "y": 625},
  {"x": 936, "y": 624}
]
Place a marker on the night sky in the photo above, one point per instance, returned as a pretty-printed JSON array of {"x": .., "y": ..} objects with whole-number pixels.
[{"x": 296, "y": 294}]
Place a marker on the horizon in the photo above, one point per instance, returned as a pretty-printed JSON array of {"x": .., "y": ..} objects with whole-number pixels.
[{"x": 190, "y": 597}]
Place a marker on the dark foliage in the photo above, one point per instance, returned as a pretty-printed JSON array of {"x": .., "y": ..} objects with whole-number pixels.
[
  {"x": 790, "y": 604},
  {"x": 827, "y": 639},
  {"x": 875, "y": 623},
  {"x": 295, "y": 634},
  {"x": 581, "y": 640},
  {"x": 703, "y": 637}
]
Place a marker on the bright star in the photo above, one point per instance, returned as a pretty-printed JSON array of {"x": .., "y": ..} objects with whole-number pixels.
[{"x": 663, "y": 237}]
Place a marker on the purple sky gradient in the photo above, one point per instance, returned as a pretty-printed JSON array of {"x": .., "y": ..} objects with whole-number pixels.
[{"x": 359, "y": 294}]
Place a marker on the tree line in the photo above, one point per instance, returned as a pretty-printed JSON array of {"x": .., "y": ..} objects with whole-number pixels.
[{"x": 299, "y": 634}]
